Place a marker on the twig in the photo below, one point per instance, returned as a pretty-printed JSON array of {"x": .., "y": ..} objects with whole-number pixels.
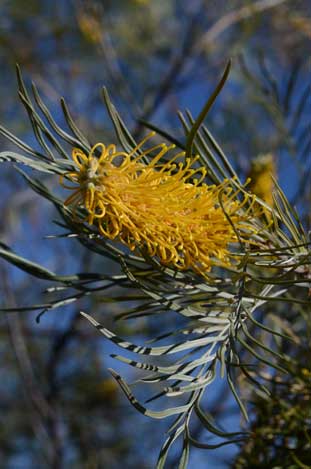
[{"x": 234, "y": 17}]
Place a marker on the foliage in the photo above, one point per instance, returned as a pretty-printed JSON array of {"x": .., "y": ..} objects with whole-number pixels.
[{"x": 281, "y": 430}]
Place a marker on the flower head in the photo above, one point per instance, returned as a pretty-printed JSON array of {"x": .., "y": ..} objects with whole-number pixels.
[
  {"x": 90, "y": 26},
  {"x": 261, "y": 181},
  {"x": 160, "y": 208}
]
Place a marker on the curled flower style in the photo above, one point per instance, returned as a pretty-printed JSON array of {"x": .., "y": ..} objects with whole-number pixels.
[{"x": 161, "y": 208}]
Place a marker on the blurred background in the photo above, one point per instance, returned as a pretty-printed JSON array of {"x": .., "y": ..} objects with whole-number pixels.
[{"x": 59, "y": 405}]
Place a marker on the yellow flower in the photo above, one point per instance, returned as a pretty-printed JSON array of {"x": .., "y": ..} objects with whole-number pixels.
[
  {"x": 261, "y": 182},
  {"x": 90, "y": 27},
  {"x": 107, "y": 389},
  {"x": 160, "y": 208}
]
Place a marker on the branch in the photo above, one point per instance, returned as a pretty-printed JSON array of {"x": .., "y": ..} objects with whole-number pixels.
[
  {"x": 234, "y": 17},
  {"x": 40, "y": 410}
]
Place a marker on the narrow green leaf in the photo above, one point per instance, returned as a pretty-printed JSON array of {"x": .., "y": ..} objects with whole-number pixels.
[
  {"x": 205, "y": 110},
  {"x": 208, "y": 422},
  {"x": 84, "y": 143},
  {"x": 150, "y": 413},
  {"x": 166, "y": 447},
  {"x": 235, "y": 394}
]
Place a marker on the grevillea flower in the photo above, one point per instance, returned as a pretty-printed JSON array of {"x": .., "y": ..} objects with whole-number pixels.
[
  {"x": 90, "y": 26},
  {"x": 160, "y": 208},
  {"x": 261, "y": 176}
]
